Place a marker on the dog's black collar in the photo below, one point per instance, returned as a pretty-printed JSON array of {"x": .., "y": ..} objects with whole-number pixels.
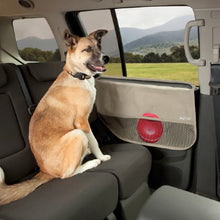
[{"x": 79, "y": 75}]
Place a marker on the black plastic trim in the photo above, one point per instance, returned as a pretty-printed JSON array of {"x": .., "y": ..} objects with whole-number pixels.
[
  {"x": 74, "y": 24},
  {"x": 120, "y": 43}
]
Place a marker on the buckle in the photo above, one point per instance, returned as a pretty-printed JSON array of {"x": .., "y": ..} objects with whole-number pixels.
[{"x": 31, "y": 109}]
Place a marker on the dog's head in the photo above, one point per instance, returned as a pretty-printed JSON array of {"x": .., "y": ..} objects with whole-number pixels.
[{"x": 84, "y": 53}]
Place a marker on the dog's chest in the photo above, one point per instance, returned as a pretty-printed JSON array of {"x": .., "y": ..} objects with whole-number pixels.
[{"x": 89, "y": 84}]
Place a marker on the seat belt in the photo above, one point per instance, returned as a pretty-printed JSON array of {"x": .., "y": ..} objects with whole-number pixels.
[{"x": 31, "y": 105}]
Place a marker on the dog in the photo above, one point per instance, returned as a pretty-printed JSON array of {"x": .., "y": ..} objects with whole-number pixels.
[{"x": 59, "y": 132}]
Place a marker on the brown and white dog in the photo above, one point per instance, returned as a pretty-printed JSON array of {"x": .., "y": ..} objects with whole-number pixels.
[{"x": 59, "y": 131}]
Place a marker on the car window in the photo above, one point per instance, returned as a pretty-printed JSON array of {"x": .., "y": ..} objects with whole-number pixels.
[
  {"x": 91, "y": 21},
  {"x": 35, "y": 40},
  {"x": 153, "y": 42}
]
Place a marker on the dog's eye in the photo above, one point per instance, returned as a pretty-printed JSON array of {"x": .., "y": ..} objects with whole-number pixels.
[{"x": 88, "y": 49}]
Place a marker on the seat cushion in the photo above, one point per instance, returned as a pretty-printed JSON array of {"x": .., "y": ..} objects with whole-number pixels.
[
  {"x": 172, "y": 203},
  {"x": 84, "y": 196},
  {"x": 130, "y": 164}
]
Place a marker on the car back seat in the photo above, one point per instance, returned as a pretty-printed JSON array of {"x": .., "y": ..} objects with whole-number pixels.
[
  {"x": 130, "y": 163},
  {"x": 85, "y": 196},
  {"x": 14, "y": 119}
]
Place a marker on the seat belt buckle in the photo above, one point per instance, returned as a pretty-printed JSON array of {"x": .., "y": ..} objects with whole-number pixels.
[{"x": 31, "y": 109}]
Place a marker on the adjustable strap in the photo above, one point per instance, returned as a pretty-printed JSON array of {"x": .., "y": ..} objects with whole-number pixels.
[
  {"x": 79, "y": 75},
  {"x": 31, "y": 105}
]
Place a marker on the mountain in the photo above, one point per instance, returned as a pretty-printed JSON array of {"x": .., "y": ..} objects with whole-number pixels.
[
  {"x": 34, "y": 42},
  {"x": 130, "y": 34},
  {"x": 134, "y": 40},
  {"x": 162, "y": 39}
]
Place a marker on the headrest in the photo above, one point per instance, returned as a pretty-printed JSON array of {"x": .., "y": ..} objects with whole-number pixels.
[
  {"x": 3, "y": 77},
  {"x": 44, "y": 72}
]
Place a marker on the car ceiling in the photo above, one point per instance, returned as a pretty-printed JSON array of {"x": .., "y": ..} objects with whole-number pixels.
[{"x": 41, "y": 7}]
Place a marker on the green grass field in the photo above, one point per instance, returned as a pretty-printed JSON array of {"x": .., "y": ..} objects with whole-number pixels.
[{"x": 171, "y": 71}]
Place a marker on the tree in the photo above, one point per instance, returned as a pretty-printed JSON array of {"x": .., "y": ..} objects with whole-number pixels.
[
  {"x": 115, "y": 60},
  {"x": 133, "y": 58},
  {"x": 151, "y": 58},
  {"x": 35, "y": 54},
  {"x": 178, "y": 54},
  {"x": 56, "y": 55},
  {"x": 164, "y": 58},
  {"x": 194, "y": 50}
]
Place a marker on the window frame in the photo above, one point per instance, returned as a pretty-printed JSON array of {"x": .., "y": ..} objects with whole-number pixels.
[
  {"x": 22, "y": 60},
  {"x": 75, "y": 26}
]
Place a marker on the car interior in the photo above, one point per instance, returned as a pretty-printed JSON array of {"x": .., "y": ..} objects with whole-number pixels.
[{"x": 170, "y": 172}]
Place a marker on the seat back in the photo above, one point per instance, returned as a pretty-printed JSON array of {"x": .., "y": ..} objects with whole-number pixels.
[
  {"x": 40, "y": 76},
  {"x": 16, "y": 158}
]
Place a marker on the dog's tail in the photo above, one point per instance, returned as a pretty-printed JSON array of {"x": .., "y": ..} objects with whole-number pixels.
[{"x": 9, "y": 193}]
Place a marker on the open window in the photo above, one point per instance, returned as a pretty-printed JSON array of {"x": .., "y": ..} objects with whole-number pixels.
[
  {"x": 152, "y": 41},
  {"x": 91, "y": 21},
  {"x": 35, "y": 40}
]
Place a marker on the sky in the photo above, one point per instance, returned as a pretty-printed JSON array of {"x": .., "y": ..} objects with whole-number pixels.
[
  {"x": 143, "y": 18},
  {"x": 32, "y": 27},
  {"x": 150, "y": 16}
]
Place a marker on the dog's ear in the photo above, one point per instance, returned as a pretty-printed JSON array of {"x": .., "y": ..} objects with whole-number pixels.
[
  {"x": 70, "y": 39},
  {"x": 97, "y": 35}
]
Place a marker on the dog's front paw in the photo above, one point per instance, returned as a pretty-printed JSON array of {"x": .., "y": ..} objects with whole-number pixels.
[
  {"x": 105, "y": 157},
  {"x": 95, "y": 162}
]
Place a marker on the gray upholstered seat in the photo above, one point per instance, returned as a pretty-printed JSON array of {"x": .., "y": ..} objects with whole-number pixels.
[
  {"x": 85, "y": 196},
  {"x": 95, "y": 193},
  {"x": 130, "y": 163},
  {"x": 171, "y": 203},
  {"x": 79, "y": 197}
]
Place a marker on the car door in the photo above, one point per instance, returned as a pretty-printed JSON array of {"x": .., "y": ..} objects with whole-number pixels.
[{"x": 155, "y": 105}]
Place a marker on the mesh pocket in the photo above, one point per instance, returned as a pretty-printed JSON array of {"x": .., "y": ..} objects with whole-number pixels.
[{"x": 178, "y": 136}]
